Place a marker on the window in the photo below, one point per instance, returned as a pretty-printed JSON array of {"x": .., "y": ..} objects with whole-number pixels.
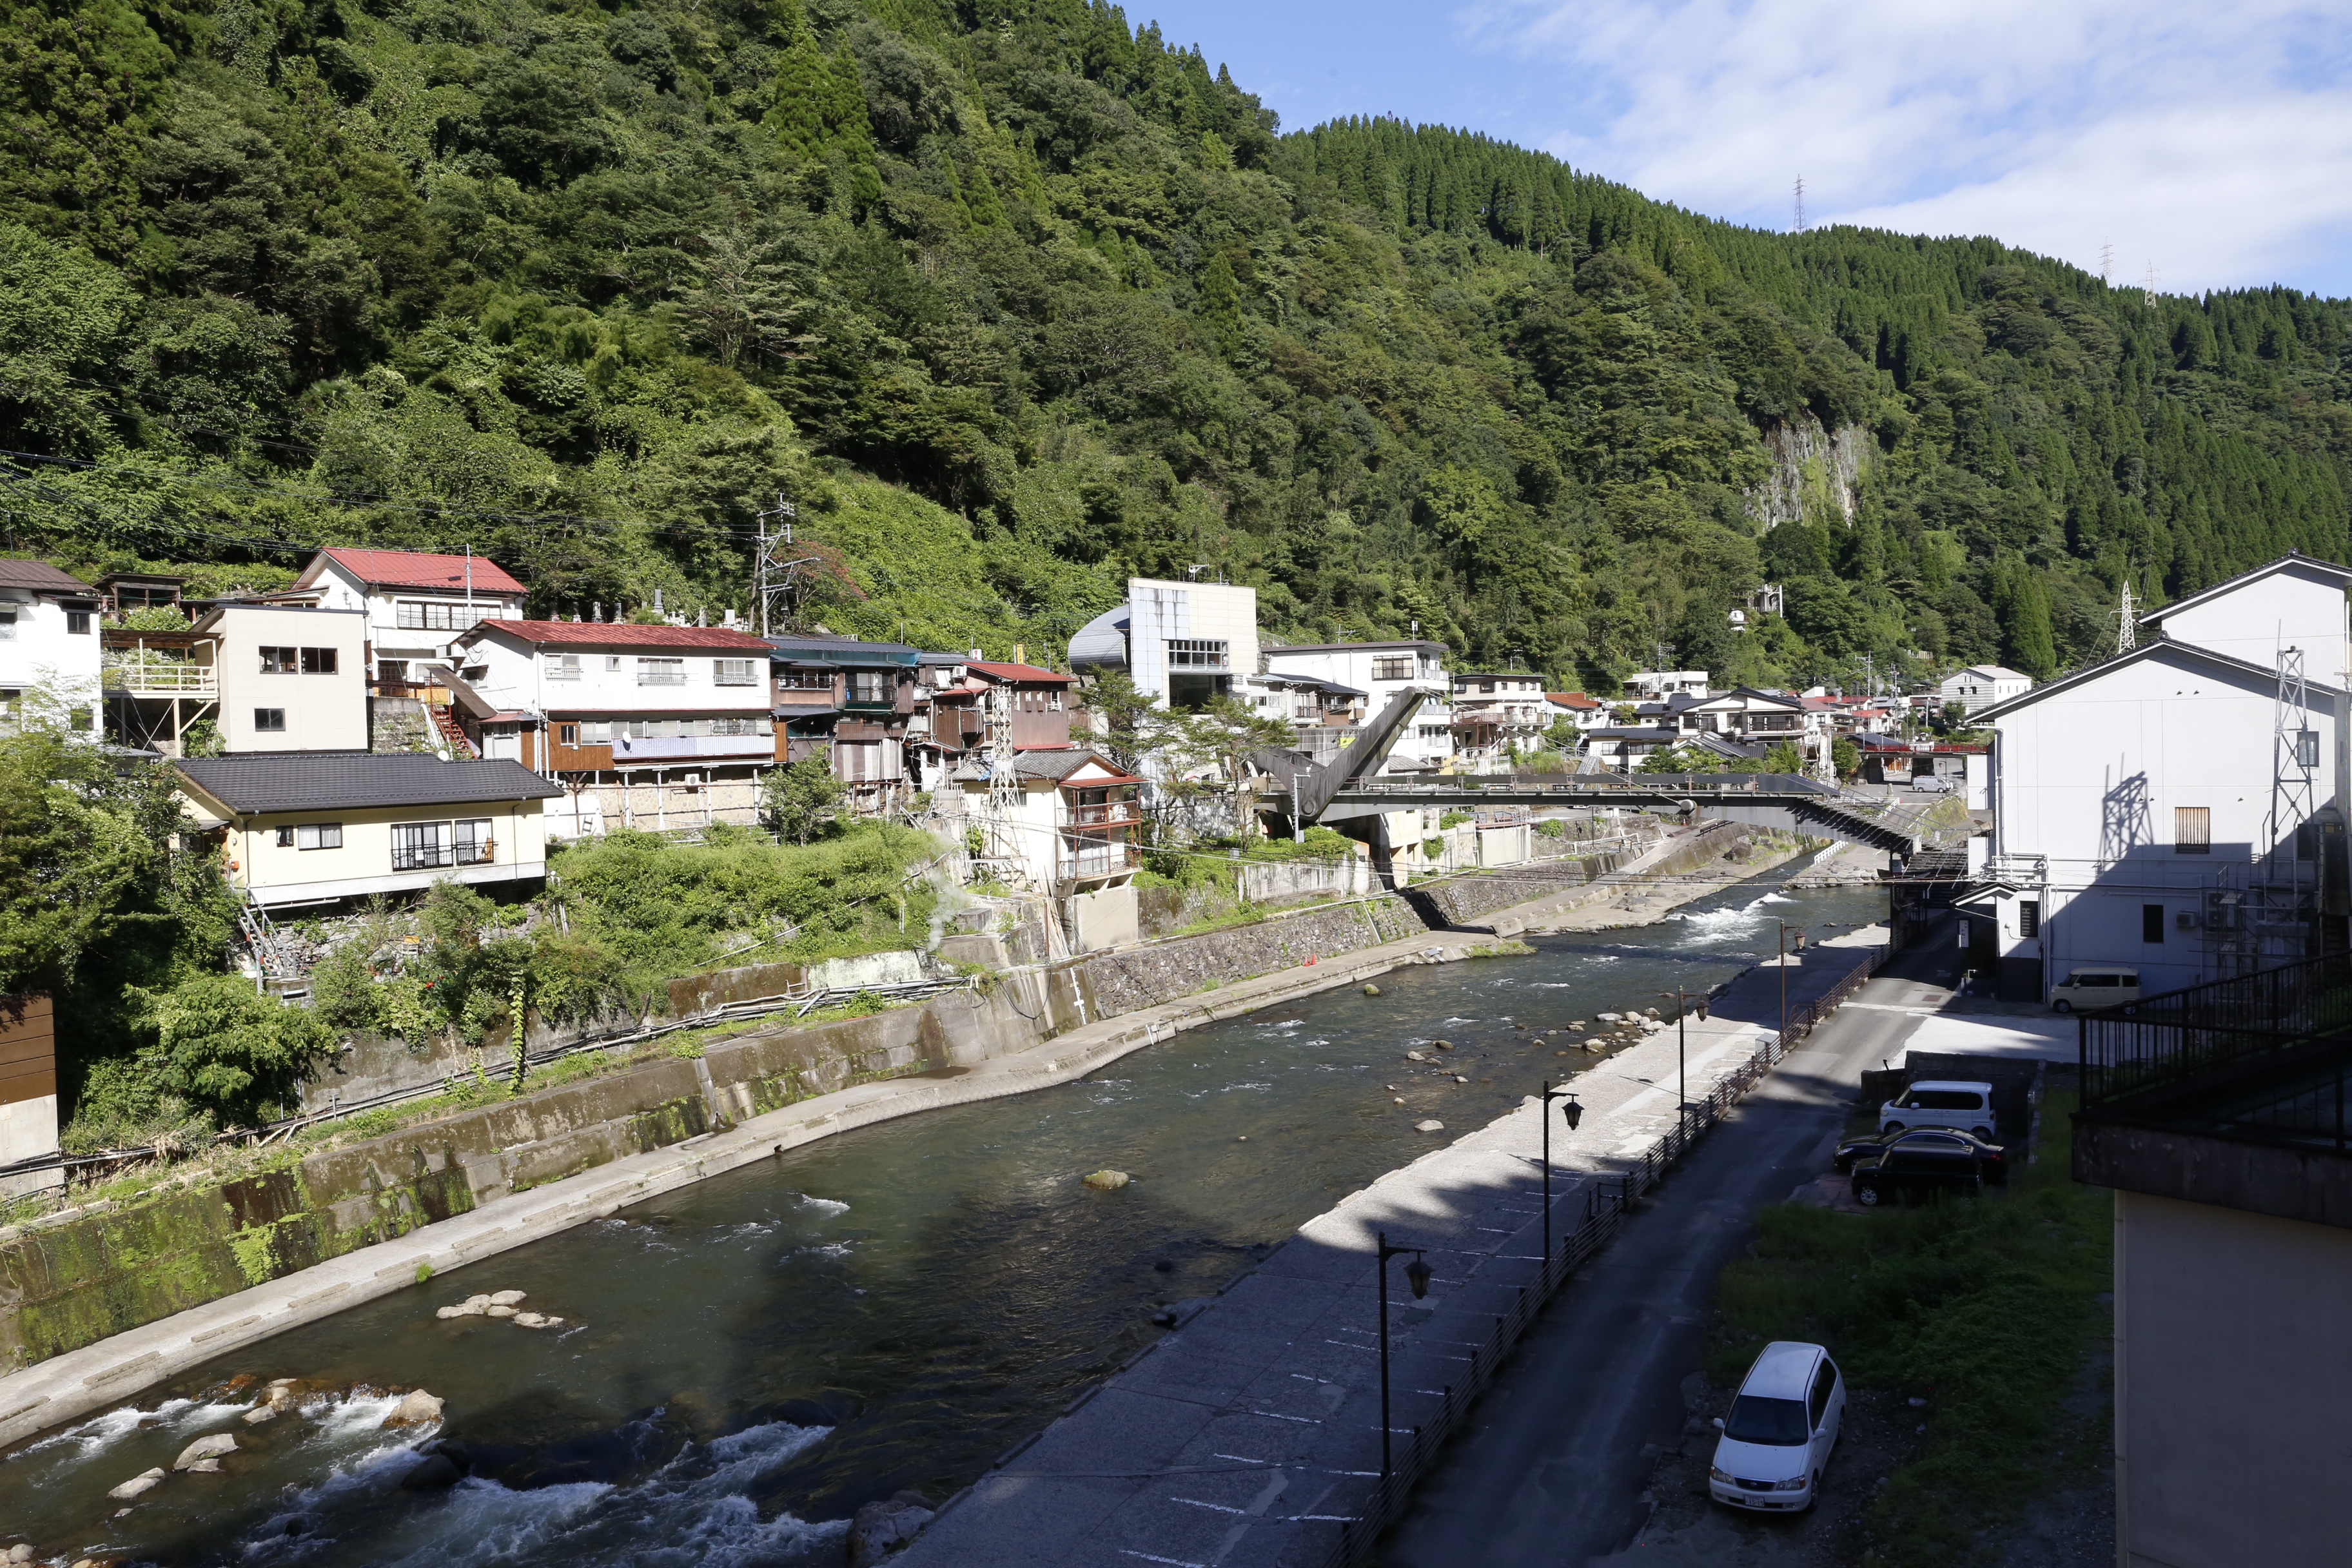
[
  {"x": 2151, "y": 922},
  {"x": 426, "y": 616},
  {"x": 735, "y": 673},
  {"x": 562, "y": 665},
  {"x": 280, "y": 660},
  {"x": 78, "y": 622},
  {"x": 474, "y": 844},
  {"x": 2029, "y": 917},
  {"x": 2306, "y": 748},
  {"x": 1194, "y": 653},
  {"x": 2192, "y": 830},
  {"x": 804, "y": 680},
  {"x": 612, "y": 664},
  {"x": 1393, "y": 668},
  {"x": 317, "y": 835},
  {"x": 870, "y": 686},
  {"x": 661, "y": 672},
  {"x": 420, "y": 846},
  {"x": 567, "y": 735},
  {"x": 1824, "y": 1384},
  {"x": 318, "y": 661},
  {"x": 269, "y": 720},
  {"x": 1486, "y": 685},
  {"x": 7, "y": 625}
]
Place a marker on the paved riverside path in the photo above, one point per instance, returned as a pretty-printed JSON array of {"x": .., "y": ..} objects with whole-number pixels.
[
  {"x": 1553, "y": 1464},
  {"x": 1250, "y": 1433}
]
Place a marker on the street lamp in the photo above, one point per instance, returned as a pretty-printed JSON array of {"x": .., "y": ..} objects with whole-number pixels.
[
  {"x": 1681, "y": 1052},
  {"x": 1572, "y": 1113},
  {"x": 1785, "y": 950},
  {"x": 1416, "y": 1274}
]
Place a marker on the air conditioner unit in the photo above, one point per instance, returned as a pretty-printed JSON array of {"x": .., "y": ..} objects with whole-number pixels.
[{"x": 2188, "y": 919}]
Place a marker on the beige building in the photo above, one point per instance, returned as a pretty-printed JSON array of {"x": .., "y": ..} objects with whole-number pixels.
[
  {"x": 312, "y": 828},
  {"x": 270, "y": 678}
]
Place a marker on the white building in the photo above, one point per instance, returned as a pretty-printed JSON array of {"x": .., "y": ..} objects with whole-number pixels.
[
  {"x": 1381, "y": 671},
  {"x": 1982, "y": 685},
  {"x": 48, "y": 639},
  {"x": 1181, "y": 643},
  {"x": 416, "y": 602},
  {"x": 269, "y": 677},
  {"x": 1653, "y": 684},
  {"x": 2165, "y": 811},
  {"x": 1066, "y": 831},
  {"x": 653, "y": 727},
  {"x": 1495, "y": 711}
]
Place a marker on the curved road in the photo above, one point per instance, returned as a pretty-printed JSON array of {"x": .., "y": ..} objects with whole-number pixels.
[{"x": 1551, "y": 1472}]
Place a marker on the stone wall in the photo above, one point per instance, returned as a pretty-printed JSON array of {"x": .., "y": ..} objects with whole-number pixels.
[{"x": 1116, "y": 982}]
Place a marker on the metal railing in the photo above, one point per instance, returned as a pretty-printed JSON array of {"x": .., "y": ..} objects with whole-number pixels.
[
  {"x": 2272, "y": 1018},
  {"x": 158, "y": 678},
  {"x": 1606, "y": 1204}
]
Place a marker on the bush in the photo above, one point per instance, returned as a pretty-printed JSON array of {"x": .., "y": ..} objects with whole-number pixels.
[
  {"x": 1552, "y": 827},
  {"x": 228, "y": 1051},
  {"x": 1455, "y": 818}
]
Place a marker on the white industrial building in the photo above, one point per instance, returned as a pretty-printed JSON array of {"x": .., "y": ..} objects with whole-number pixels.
[
  {"x": 2177, "y": 810},
  {"x": 1982, "y": 685}
]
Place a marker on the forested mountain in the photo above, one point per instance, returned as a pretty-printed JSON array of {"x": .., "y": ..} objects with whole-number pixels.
[{"x": 1010, "y": 300}]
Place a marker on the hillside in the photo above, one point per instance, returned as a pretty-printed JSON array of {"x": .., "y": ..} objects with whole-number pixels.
[{"x": 1012, "y": 299}]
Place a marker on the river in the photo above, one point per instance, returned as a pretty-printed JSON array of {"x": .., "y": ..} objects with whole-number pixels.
[{"x": 743, "y": 1362}]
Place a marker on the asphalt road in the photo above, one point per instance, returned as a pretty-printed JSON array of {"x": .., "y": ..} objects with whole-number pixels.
[{"x": 1552, "y": 1468}]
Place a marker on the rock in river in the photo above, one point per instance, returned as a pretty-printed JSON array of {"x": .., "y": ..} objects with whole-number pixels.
[
  {"x": 880, "y": 1528},
  {"x": 1108, "y": 1181},
  {"x": 205, "y": 1448},
  {"x": 1371, "y": 990},
  {"x": 418, "y": 1408},
  {"x": 1429, "y": 1127},
  {"x": 146, "y": 1480},
  {"x": 508, "y": 1299}
]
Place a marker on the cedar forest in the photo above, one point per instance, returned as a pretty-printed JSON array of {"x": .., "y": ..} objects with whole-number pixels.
[{"x": 1008, "y": 300}]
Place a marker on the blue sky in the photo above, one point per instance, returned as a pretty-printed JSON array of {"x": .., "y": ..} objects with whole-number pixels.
[{"x": 2212, "y": 142}]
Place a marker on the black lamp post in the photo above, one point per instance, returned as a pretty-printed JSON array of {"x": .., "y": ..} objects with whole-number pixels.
[
  {"x": 1416, "y": 1274},
  {"x": 1785, "y": 950},
  {"x": 1682, "y": 1053},
  {"x": 1572, "y": 1113}
]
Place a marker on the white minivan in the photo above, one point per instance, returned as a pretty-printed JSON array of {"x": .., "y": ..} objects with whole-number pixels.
[
  {"x": 1777, "y": 1440},
  {"x": 2086, "y": 988},
  {"x": 1964, "y": 1107}
]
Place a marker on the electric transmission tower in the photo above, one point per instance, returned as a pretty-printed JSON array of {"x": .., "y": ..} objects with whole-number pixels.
[
  {"x": 2126, "y": 622},
  {"x": 1800, "y": 204},
  {"x": 2107, "y": 264},
  {"x": 2147, "y": 288}
]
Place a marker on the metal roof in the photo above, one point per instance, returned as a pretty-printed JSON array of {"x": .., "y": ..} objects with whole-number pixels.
[
  {"x": 256, "y": 782},
  {"x": 620, "y": 634},
  {"x": 39, "y": 576},
  {"x": 418, "y": 568}
]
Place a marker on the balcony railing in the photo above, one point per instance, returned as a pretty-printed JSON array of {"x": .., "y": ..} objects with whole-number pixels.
[
  {"x": 160, "y": 677},
  {"x": 1112, "y": 813},
  {"x": 1106, "y": 861},
  {"x": 661, "y": 678}
]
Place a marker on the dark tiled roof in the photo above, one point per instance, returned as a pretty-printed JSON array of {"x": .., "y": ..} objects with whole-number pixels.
[
  {"x": 339, "y": 781},
  {"x": 1059, "y": 764},
  {"x": 40, "y": 576}
]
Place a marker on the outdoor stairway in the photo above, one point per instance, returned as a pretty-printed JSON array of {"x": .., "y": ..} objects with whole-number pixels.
[{"x": 452, "y": 732}]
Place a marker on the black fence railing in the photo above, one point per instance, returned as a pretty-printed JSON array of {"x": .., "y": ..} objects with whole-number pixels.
[{"x": 2235, "y": 1027}]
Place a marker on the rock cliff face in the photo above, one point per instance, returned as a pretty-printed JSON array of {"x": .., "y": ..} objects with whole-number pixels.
[{"x": 1812, "y": 469}]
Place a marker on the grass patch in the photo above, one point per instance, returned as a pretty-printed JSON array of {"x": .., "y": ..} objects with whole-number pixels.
[{"x": 1985, "y": 1308}]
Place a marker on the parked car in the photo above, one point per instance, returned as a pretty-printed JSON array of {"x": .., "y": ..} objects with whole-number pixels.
[
  {"x": 1776, "y": 1442},
  {"x": 1992, "y": 1160},
  {"x": 1932, "y": 783},
  {"x": 1908, "y": 1171},
  {"x": 1967, "y": 1107},
  {"x": 2085, "y": 988}
]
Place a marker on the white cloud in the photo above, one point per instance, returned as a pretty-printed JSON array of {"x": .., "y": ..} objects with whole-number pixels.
[{"x": 2215, "y": 141}]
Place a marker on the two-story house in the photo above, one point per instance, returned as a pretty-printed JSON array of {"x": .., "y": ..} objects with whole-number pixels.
[
  {"x": 48, "y": 640},
  {"x": 1981, "y": 686},
  {"x": 973, "y": 701},
  {"x": 269, "y": 677},
  {"x": 2173, "y": 812},
  {"x": 646, "y": 726},
  {"x": 1380, "y": 672},
  {"x": 416, "y": 602},
  {"x": 853, "y": 700},
  {"x": 1496, "y": 712}
]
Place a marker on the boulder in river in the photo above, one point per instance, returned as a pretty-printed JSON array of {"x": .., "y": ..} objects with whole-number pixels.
[
  {"x": 509, "y": 1297},
  {"x": 436, "y": 1471},
  {"x": 1370, "y": 989},
  {"x": 1442, "y": 1044},
  {"x": 1429, "y": 1127},
  {"x": 1106, "y": 1181},
  {"x": 416, "y": 1409},
  {"x": 881, "y": 1527},
  {"x": 260, "y": 1413},
  {"x": 205, "y": 1448},
  {"x": 1415, "y": 1057},
  {"x": 528, "y": 1320},
  {"x": 145, "y": 1481},
  {"x": 499, "y": 1312},
  {"x": 1609, "y": 1017}
]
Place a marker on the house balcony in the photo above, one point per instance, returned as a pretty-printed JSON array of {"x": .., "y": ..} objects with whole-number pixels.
[
  {"x": 160, "y": 677},
  {"x": 1111, "y": 814},
  {"x": 1095, "y": 862},
  {"x": 690, "y": 748}
]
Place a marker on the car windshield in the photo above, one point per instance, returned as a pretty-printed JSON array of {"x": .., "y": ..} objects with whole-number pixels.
[{"x": 1778, "y": 1423}]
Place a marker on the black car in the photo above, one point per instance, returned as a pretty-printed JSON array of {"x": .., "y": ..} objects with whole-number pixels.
[
  {"x": 1908, "y": 1169},
  {"x": 1991, "y": 1158}
]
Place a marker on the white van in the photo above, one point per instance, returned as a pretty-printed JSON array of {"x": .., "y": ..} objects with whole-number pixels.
[
  {"x": 2087, "y": 988},
  {"x": 1966, "y": 1107},
  {"x": 1777, "y": 1440}
]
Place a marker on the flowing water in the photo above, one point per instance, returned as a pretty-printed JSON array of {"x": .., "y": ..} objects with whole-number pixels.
[{"x": 745, "y": 1361}]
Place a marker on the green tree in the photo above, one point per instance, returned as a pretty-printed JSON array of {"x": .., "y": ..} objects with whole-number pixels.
[
  {"x": 1782, "y": 757},
  {"x": 801, "y": 800},
  {"x": 1845, "y": 757},
  {"x": 237, "y": 1053}
]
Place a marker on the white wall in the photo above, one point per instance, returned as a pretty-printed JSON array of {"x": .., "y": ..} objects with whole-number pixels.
[
  {"x": 1353, "y": 666},
  {"x": 37, "y": 650},
  {"x": 516, "y": 678},
  {"x": 2298, "y": 605},
  {"x": 339, "y": 589},
  {"x": 323, "y": 712},
  {"x": 1161, "y": 610}
]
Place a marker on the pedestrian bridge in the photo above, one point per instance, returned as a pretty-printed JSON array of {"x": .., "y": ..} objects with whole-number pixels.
[{"x": 1788, "y": 802}]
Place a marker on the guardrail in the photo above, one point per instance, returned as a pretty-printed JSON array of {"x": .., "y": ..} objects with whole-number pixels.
[{"x": 1605, "y": 1208}]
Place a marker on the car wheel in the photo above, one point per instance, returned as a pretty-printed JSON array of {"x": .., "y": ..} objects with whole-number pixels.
[
  {"x": 1892, "y": 1127},
  {"x": 1866, "y": 1194},
  {"x": 2061, "y": 1005},
  {"x": 1982, "y": 1134}
]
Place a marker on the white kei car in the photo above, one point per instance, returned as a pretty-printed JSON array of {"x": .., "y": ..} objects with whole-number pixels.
[{"x": 1777, "y": 1440}]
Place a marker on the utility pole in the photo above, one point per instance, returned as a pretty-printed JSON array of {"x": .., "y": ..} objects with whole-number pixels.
[
  {"x": 765, "y": 565},
  {"x": 1801, "y": 205}
]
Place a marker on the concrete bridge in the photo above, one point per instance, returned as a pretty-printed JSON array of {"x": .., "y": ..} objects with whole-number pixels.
[{"x": 1785, "y": 801}]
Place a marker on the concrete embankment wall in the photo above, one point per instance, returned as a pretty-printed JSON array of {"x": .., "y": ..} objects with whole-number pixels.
[{"x": 79, "y": 1277}]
